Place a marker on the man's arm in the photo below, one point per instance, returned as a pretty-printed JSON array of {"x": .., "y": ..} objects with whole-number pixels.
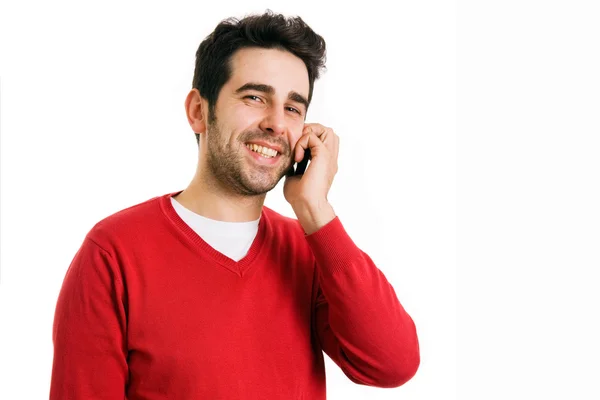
[
  {"x": 89, "y": 332},
  {"x": 359, "y": 321}
]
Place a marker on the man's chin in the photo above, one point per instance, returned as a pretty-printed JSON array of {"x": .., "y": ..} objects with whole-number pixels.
[{"x": 256, "y": 187}]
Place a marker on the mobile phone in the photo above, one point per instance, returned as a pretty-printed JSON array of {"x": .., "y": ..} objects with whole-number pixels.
[{"x": 301, "y": 166}]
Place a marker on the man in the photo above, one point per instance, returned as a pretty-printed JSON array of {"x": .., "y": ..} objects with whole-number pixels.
[{"x": 205, "y": 293}]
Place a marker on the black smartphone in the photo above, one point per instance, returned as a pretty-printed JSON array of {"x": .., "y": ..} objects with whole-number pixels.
[{"x": 301, "y": 166}]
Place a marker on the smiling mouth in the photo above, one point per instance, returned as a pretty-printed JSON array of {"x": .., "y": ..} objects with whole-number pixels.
[{"x": 263, "y": 151}]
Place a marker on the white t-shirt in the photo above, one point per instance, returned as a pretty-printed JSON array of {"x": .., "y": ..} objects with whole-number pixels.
[{"x": 232, "y": 239}]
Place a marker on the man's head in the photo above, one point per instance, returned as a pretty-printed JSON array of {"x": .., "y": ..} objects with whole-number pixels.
[{"x": 253, "y": 83}]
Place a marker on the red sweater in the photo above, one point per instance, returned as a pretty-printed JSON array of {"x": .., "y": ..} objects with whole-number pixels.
[{"x": 148, "y": 310}]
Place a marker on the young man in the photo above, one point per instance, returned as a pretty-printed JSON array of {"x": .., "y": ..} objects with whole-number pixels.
[{"x": 205, "y": 293}]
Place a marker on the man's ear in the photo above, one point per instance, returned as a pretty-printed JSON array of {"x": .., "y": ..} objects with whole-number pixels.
[{"x": 196, "y": 108}]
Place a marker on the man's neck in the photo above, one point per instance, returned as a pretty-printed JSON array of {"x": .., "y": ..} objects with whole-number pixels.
[{"x": 212, "y": 201}]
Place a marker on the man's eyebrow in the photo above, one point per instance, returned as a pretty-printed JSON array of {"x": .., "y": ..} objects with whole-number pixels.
[
  {"x": 268, "y": 89},
  {"x": 297, "y": 97},
  {"x": 259, "y": 87}
]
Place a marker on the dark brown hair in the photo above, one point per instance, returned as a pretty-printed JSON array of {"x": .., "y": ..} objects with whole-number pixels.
[{"x": 268, "y": 30}]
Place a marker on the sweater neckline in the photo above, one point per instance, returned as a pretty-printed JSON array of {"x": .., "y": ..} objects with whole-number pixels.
[{"x": 203, "y": 248}]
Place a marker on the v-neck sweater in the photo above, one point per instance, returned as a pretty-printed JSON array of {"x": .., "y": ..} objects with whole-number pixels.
[
  {"x": 232, "y": 239},
  {"x": 148, "y": 310}
]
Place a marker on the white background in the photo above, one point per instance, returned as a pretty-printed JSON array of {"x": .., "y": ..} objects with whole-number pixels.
[
  {"x": 528, "y": 152},
  {"x": 469, "y": 170}
]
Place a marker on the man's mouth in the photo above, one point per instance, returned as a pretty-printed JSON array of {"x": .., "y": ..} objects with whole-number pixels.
[{"x": 263, "y": 151}]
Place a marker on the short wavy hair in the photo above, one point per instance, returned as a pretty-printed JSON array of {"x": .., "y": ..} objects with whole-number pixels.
[{"x": 269, "y": 30}]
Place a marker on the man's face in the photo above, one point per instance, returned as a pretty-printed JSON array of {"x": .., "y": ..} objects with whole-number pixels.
[{"x": 263, "y": 102}]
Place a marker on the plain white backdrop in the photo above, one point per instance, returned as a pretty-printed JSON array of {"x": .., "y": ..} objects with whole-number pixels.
[
  {"x": 469, "y": 170},
  {"x": 93, "y": 121},
  {"x": 528, "y": 152}
]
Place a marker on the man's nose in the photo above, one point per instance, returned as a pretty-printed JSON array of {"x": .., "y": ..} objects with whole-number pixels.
[{"x": 274, "y": 122}]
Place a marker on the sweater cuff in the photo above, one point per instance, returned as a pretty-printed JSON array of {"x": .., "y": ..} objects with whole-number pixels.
[{"x": 333, "y": 248}]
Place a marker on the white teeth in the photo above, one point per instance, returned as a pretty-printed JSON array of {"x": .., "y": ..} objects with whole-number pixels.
[{"x": 263, "y": 151}]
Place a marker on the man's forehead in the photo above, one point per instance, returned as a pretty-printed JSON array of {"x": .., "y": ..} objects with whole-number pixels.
[{"x": 280, "y": 70}]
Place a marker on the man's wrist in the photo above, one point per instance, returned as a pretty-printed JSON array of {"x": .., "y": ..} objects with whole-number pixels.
[{"x": 313, "y": 214}]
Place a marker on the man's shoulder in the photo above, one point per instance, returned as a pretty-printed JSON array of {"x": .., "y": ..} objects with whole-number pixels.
[
  {"x": 277, "y": 216},
  {"x": 129, "y": 221}
]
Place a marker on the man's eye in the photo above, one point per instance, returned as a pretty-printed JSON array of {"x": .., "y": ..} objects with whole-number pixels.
[{"x": 256, "y": 98}]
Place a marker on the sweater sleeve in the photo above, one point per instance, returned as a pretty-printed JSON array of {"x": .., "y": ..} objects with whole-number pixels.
[
  {"x": 359, "y": 320},
  {"x": 89, "y": 329}
]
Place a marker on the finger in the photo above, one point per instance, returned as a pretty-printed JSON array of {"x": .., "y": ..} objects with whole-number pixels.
[
  {"x": 336, "y": 151},
  {"x": 325, "y": 134},
  {"x": 332, "y": 143},
  {"x": 330, "y": 139},
  {"x": 322, "y": 132},
  {"x": 336, "y": 145},
  {"x": 308, "y": 141},
  {"x": 315, "y": 128}
]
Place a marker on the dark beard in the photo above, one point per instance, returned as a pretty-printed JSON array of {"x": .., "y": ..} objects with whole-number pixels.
[{"x": 226, "y": 165}]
